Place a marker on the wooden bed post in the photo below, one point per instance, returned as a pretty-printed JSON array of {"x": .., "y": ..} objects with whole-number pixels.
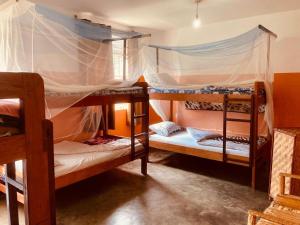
[
  {"x": 104, "y": 120},
  {"x": 254, "y": 131},
  {"x": 40, "y": 149},
  {"x": 225, "y": 107},
  {"x": 11, "y": 194},
  {"x": 171, "y": 110},
  {"x": 33, "y": 145},
  {"x": 145, "y": 130}
]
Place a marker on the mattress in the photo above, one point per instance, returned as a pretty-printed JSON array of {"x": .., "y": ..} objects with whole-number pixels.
[
  {"x": 68, "y": 163},
  {"x": 103, "y": 92},
  {"x": 9, "y": 107},
  {"x": 9, "y": 117},
  {"x": 184, "y": 139},
  {"x": 75, "y": 162},
  {"x": 205, "y": 90}
]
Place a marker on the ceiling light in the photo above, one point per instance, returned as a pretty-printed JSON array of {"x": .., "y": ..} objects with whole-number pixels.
[{"x": 197, "y": 22}]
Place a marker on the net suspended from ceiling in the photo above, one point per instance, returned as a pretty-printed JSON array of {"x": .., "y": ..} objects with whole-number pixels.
[
  {"x": 74, "y": 58},
  {"x": 234, "y": 62}
]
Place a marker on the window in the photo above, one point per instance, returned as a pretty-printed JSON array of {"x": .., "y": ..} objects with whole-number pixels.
[
  {"x": 118, "y": 59},
  {"x": 118, "y": 65}
]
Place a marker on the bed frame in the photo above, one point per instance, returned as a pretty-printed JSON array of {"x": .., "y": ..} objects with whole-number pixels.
[
  {"x": 34, "y": 145},
  {"x": 257, "y": 155},
  {"x": 106, "y": 101}
]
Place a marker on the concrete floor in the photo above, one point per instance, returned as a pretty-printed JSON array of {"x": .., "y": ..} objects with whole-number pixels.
[{"x": 179, "y": 190}]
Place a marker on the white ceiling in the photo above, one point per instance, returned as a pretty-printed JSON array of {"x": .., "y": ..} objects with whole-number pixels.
[{"x": 169, "y": 14}]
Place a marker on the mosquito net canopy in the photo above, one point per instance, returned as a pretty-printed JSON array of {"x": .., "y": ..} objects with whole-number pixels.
[
  {"x": 74, "y": 57},
  {"x": 238, "y": 61}
]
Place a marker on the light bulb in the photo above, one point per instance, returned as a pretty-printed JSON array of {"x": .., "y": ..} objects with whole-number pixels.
[{"x": 197, "y": 22}]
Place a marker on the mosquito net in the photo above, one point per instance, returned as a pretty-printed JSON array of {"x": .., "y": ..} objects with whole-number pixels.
[
  {"x": 238, "y": 61},
  {"x": 74, "y": 58}
]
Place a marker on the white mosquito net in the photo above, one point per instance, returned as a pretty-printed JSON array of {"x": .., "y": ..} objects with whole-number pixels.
[
  {"x": 234, "y": 62},
  {"x": 74, "y": 58}
]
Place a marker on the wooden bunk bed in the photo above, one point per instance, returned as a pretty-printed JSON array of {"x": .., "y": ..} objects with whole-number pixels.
[
  {"x": 256, "y": 97},
  {"x": 106, "y": 98},
  {"x": 33, "y": 143}
]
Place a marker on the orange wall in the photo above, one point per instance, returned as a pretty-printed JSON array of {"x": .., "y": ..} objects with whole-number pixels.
[
  {"x": 287, "y": 100},
  {"x": 212, "y": 120},
  {"x": 123, "y": 129}
]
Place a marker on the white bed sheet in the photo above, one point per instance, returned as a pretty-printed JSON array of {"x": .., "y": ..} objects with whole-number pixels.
[
  {"x": 184, "y": 139},
  {"x": 75, "y": 162}
]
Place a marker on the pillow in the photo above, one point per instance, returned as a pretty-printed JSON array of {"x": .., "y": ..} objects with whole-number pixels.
[
  {"x": 200, "y": 135},
  {"x": 165, "y": 128}
]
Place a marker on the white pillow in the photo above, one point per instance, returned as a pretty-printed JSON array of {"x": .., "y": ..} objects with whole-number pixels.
[
  {"x": 165, "y": 128},
  {"x": 200, "y": 135}
]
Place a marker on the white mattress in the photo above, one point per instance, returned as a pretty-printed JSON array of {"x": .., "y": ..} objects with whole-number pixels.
[
  {"x": 184, "y": 139},
  {"x": 68, "y": 163}
]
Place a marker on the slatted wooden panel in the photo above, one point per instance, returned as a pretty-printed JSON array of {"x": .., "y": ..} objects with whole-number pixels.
[{"x": 281, "y": 160}]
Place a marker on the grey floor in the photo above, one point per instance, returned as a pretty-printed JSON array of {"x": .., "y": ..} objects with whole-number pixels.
[{"x": 179, "y": 190}]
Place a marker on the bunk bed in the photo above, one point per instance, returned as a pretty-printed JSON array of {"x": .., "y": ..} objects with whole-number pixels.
[
  {"x": 76, "y": 166},
  {"x": 182, "y": 142},
  {"x": 76, "y": 62},
  {"x": 31, "y": 141},
  {"x": 218, "y": 76}
]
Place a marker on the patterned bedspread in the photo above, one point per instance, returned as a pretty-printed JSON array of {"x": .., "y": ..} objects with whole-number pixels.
[
  {"x": 234, "y": 142},
  {"x": 205, "y": 90},
  {"x": 232, "y": 107}
]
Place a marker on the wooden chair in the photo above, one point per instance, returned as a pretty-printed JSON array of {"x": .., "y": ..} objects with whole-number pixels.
[{"x": 284, "y": 210}]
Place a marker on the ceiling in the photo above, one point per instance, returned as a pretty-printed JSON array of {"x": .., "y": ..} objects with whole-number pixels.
[{"x": 170, "y": 14}]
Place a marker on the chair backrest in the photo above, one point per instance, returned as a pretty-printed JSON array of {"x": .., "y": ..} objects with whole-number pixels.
[{"x": 284, "y": 199}]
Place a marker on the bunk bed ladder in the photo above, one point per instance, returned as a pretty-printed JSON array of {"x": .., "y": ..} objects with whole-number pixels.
[
  {"x": 144, "y": 135},
  {"x": 144, "y": 129},
  {"x": 226, "y": 119}
]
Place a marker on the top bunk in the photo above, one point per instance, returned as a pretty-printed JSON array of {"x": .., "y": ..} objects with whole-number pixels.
[
  {"x": 238, "y": 67},
  {"x": 136, "y": 93},
  {"x": 78, "y": 60},
  {"x": 210, "y": 93},
  {"x": 10, "y": 109}
]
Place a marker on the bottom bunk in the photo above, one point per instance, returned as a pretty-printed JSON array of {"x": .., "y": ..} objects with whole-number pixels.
[
  {"x": 76, "y": 161},
  {"x": 237, "y": 150}
]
